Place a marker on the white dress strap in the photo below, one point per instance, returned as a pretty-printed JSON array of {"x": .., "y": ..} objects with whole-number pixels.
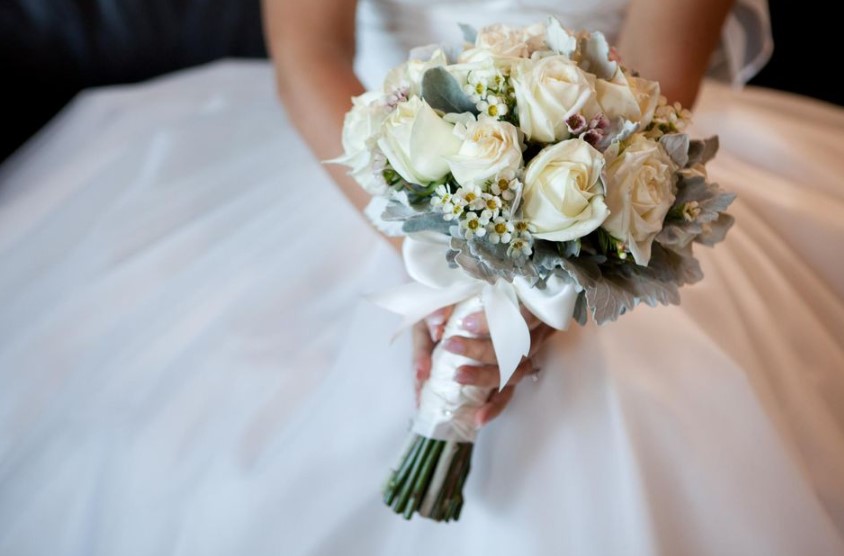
[{"x": 746, "y": 43}]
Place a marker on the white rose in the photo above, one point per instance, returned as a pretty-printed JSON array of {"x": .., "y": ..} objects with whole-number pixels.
[
  {"x": 511, "y": 42},
  {"x": 474, "y": 59},
  {"x": 408, "y": 76},
  {"x": 489, "y": 148},
  {"x": 548, "y": 91},
  {"x": 361, "y": 130},
  {"x": 631, "y": 98},
  {"x": 417, "y": 142},
  {"x": 563, "y": 194},
  {"x": 640, "y": 190}
]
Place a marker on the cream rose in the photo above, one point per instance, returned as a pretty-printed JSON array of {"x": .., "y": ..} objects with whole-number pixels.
[
  {"x": 417, "y": 142},
  {"x": 563, "y": 195},
  {"x": 640, "y": 190},
  {"x": 548, "y": 91},
  {"x": 361, "y": 130},
  {"x": 510, "y": 42},
  {"x": 409, "y": 74},
  {"x": 489, "y": 148},
  {"x": 631, "y": 98}
]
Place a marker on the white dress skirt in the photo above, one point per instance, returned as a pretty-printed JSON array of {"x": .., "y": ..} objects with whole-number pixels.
[{"x": 188, "y": 366}]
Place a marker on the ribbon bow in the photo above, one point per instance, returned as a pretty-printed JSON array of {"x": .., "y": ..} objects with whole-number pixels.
[{"x": 437, "y": 285}]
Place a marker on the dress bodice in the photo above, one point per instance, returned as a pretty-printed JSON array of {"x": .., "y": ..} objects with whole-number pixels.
[{"x": 388, "y": 29}]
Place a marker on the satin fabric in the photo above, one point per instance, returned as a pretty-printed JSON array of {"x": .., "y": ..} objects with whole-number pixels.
[{"x": 188, "y": 366}]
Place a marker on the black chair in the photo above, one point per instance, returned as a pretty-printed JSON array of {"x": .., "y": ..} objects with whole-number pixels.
[{"x": 51, "y": 49}]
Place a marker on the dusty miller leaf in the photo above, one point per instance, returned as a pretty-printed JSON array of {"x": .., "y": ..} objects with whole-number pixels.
[
  {"x": 702, "y": 150},
  {"x": 595, "y": 56},
  {"x": 442, "y": 92},
  {"x": 470, "y": 34},
  {"x": 677, "y": 147},
  {"x": 581, "y": 310},
  {"x": 398, "y": 212},
  {"x": 715, "y": 232},
  {"x": 426, "y": 222}
]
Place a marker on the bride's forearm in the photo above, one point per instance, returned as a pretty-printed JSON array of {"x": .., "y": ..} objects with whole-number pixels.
[
  {"x": 315, "y": 77},
  {"x": 672, "y": 42}
]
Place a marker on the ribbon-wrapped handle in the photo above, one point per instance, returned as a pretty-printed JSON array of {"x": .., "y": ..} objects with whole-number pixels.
[{"x": 438, "y": 285}]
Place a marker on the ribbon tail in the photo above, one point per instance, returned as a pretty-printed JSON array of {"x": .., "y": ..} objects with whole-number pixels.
[
  {"x": 416, "y": 301},
  {"x": 507, "y": 328}
]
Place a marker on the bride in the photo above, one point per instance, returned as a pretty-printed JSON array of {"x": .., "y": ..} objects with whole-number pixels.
[{"x": 187, "y": 365}]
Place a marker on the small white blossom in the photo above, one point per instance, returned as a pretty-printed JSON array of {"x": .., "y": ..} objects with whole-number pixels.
[
  {"x": 493, "y": 106},
  {"x": 452, "y": 210},
  {"x": 475, "y": 91},
  {"x": 691, "y": 211},
  {"x": 492, "y": 204},
  {"x": 500, "y": 230},
  {"x": 471, "y": 196},
  {"x": 524, "y": 228},
  {"x": 669, "y": 118},
  {"x": 505, "y": 187},
  {"x": 471, "y": 226},
  {"x": 442, "y": 197},
  {"x": 521, "y": 246}
]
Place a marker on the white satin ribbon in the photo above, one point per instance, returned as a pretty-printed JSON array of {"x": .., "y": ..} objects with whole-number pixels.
[{"x": 437, "y": 285}]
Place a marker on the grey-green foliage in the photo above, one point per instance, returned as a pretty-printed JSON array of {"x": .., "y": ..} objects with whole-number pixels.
[
  {"x": 442, "y": 92},
  {"x": 595, "y": 56},
  {"x": 613, "y": 290},
  {"x": 470, "y": 34},
  {"x": 486, "y": 261}
]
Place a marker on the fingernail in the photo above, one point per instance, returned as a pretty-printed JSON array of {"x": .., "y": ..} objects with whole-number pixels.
[
  {"x": 472, "y": 323},
  {"x": 455, "y": 345}
]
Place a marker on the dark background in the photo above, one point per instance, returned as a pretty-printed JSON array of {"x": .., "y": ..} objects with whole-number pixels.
[{"x": 51, "y": 49}]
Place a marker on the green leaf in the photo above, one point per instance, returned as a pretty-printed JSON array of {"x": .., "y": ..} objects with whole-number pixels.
[{"x": 442, "y": 92}]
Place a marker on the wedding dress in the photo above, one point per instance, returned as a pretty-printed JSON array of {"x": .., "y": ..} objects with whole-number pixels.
[{"x": 188, "y": 366}]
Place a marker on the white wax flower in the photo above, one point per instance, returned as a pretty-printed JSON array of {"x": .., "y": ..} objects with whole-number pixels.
[
  {"x": 641, "y": 187},
  {"x": 563, "y": 195},
  {"x": 548, "y": 91},
  {"x": 417, "y": 142},
  {"x": 489, "y": 147},
  {"x": 631, "y": 98}
]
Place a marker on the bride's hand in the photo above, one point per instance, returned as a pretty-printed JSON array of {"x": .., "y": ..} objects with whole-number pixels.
[{"x": 429, "y": 331}]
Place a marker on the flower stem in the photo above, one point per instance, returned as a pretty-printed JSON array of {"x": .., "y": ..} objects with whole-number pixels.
[{"x": 429, "y": 479}]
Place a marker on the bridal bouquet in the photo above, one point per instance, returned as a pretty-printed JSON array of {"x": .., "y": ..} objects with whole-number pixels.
[{"x": 531, "y": 168}]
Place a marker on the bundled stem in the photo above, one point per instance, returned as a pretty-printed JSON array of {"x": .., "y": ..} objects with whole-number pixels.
[{"x": 429, "y": 479}]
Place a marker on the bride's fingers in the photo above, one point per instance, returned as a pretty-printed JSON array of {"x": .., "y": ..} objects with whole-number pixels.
[
  {"x": 436, "y": 322},
  {"x": 487, "y": 376},
  {"x": 496, "y": 404},
  {"x": 422, "y": 348},
  {"x": 479, "y": 349},
  {"x": 476, "y": 322}
]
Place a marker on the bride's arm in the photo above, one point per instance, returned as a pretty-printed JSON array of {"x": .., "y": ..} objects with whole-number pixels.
[
  {"x": 671, "y": 42},
  {"x": 312, "y": 45}
]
